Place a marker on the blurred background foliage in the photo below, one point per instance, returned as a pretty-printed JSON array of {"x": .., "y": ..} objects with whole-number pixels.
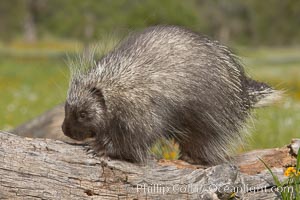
[
  {"x": 249, "y": 22},
  {"x": 35, "y": 36}
]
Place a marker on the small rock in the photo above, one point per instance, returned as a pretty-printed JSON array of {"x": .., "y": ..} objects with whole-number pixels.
[{"x": 295, "y": 145}]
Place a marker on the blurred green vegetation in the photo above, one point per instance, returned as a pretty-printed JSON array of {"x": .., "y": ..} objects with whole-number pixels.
[
  {"x": 166, "y": 149},
  {"x": 251, "y": 22},
  {"x": 35, "y": 36},
  {"x": 30, "y": 89}
]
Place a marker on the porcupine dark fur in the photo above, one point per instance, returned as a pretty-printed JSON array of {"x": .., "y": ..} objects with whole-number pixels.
[{"x": 163, "y": 82}]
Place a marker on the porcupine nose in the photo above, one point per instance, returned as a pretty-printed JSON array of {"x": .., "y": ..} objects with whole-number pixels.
[{"x": 65, "y": 129}]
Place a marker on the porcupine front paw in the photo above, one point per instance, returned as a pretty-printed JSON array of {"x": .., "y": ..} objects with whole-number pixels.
[{"x": 96, "y": 149}]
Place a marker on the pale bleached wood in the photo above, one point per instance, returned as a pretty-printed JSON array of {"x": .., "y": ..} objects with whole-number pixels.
[
  {"x": 47, "y": 125},
  {"x": 49, "y": 169}
]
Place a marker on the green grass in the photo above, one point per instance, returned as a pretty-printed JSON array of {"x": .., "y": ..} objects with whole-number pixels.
[
  {"x": 35, "y": 78},
  {"x": 274, "y": 126},
  {"x": 29, "y": 87}
]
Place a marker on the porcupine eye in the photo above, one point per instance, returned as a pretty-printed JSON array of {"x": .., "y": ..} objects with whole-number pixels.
[{"x": 82, "y": 115}]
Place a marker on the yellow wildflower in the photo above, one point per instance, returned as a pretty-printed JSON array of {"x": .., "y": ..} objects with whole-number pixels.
[
  {"x": 173, "y": 155},
  {"x": 290, "y": 171},
  {"x": 166, "y": 156}
]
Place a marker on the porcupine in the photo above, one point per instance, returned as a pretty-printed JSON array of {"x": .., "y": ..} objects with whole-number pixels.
[{"x": 163, "y": 82}]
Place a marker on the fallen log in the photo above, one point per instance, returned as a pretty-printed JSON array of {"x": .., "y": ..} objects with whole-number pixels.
[
  {"x": 50, "y": 169},
  {"x": 47, "y": 125}
]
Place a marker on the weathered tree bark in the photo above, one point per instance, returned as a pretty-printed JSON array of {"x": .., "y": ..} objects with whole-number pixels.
[
  {"x": 49, "y": 169},
  {"x": 43, "y": 168}
]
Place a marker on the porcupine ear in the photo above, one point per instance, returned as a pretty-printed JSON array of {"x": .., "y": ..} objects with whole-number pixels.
[{"x": 98, "y": 94}]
